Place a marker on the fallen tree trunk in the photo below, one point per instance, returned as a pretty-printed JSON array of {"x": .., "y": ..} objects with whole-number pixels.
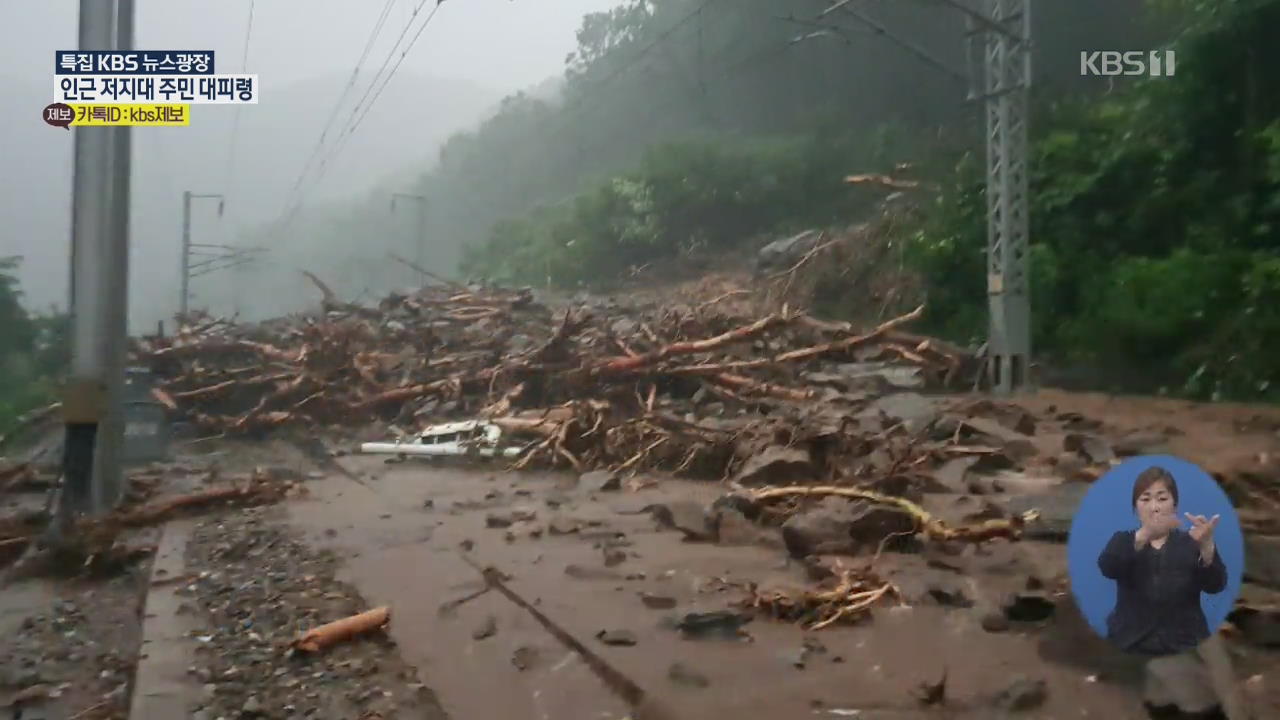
[{"x": 926, "y": 523}]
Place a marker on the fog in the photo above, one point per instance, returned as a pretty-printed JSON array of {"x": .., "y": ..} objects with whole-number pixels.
[{"x": 472, "y": 54}]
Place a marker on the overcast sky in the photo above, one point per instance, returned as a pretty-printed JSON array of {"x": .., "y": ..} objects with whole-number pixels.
[
  {"x": 503, "y": 44},
  {"x": 473, "y": 53}
]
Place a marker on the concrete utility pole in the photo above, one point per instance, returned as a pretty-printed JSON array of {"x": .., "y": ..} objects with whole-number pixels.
[
  {"x": 421, "y": 239},
  {"x": 1004, "y": 30},
  {"x": 92, "y": 402},
  {"x": 187, "y": 196}
]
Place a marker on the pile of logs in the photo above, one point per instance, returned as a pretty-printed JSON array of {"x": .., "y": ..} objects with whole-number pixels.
[{"x": 592, "y": 384}]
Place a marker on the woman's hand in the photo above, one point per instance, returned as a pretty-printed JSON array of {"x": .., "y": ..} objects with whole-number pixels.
[
  {"x": 1155, "y": 526},
  {"x": 1202, "y": 532}
]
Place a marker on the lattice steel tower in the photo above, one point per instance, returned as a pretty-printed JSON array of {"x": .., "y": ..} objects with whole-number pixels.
[{"x": 1003, "y": 36}]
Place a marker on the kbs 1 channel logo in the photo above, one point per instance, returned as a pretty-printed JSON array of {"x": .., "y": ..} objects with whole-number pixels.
[{"x": 140, "y": 87}]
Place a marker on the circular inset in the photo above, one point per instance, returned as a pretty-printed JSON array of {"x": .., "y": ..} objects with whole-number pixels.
[{"x": 1156, "y": 555}]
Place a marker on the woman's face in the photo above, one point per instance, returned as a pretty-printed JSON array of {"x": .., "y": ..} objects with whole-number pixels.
[{"x": 1155, "y": 500}]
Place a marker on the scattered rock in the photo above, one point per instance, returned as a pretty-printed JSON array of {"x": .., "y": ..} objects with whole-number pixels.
[
  {"x": 995, "y": 621},
  {"x": 498, "y": 521},
  {"x": 884, "y": 375},
  {"x": 579, "y": 572},
  {"x": 487, "y": 629},
  {"x": 682, "y": 674},
  {"x": 912, "y": 411},
  {"x": 1142, "y": 442},
  {"x": 776, "y": 465},
  {"x": 657, "y": 602},
  {"x": 1076, "y": 422},
  {"x": 524, "y": 657},
  {"x": 787, "y": 250},
  {"x": 1069, "y": 465},
  {"x": 1028, "y": 607},
  {"x": 987, "y": 511},
  {"x": 949, "y": 595},
  {"x": 951, "y": 476},
  {"x": 1021, "y": 695},
  {"x": 984, "y": 431},
  {"x": 614, "y": 557},
  {"x": 1016, "y": 419},
  {"x": 795, "y": 657},
  {"x": 1258, "y": 626},
  {"x": 1181, "y": 681},
  {"x": 254, "y": 585},
  {"x": 716, "y": 624},
  {"x": 601, "y": 481},
  {"x": 1263, "y": 553},
  {"x": 686, "y": 517},
  {"x": 624, "y": 638},
  {"x": 563, "y": 526},
  {"x": 732, "y": 528},
  {"x": 1057, "y": 509},
  {"x": 1092, "y": 447}
]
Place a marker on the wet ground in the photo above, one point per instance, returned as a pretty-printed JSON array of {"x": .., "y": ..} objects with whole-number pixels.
[
  {"x": 413, "y": 536},
  {"x": 408, "y": 556}
]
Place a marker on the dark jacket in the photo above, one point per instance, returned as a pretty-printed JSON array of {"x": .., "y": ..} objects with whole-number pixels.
[{"x": 1158, "y": 593}]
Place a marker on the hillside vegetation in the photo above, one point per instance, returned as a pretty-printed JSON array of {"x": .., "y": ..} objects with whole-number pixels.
[{"x": 1155, "y": 203}]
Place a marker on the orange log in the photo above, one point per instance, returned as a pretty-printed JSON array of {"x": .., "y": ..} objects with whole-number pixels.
[
  {"x": 317, "y": 639},
  {"x": 628, "y": 363}
]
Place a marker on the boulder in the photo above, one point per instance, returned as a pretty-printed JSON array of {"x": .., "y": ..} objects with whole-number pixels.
[
  {"x": 777, "y": 465},
  {"x": 790, "y": 249}
]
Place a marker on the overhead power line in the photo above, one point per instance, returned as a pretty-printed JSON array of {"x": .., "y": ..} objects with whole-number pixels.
[
  {"x": 361, "y": 110},
  {"x": 235, "y": 122},
  {"x": 661, "y": 38},
  {"x": 342, "y": 97}
]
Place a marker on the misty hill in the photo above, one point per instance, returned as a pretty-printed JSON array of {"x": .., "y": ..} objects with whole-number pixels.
[{"x": 413, "y": 116}]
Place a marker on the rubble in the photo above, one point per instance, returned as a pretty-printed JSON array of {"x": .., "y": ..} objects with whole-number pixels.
[
  {"x": 263, "y": 603},
  {"x": 695, "y": 390}
]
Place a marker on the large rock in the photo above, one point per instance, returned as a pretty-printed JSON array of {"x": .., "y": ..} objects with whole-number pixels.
[
  {"x": 1093, "y": 448},
  {"x": 779, "y": 252},
  {"x": 1263, "y": 555},
  {"x": 911, "y": 410},
  {"x": 777, "y": 465},
  {"x": 1181, "y": 681},
  {"x": 840, "y": 526},
  {"x": 600, "y": 480},
  {"x": 1023, "y": 694},
  {"x": 877, "y": 375},
  {"x": 1015, "y": 446},
  {"x": 1057, "y": 509}
]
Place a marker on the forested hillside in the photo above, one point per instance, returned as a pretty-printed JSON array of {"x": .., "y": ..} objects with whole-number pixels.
[
  {"x": 692, "y": 125},
  {"x": 32, "y": 350}
]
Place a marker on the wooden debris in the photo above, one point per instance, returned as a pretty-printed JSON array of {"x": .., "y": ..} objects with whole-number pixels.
[
  {"x": 926, "y": 523},
  {"x": 586, "y": 387},
  {"x": 317, "y": 639},
  {"x": 848, "y": 602}
]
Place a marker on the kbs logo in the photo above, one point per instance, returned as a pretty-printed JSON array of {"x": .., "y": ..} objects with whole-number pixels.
[{"x": 1109, "y": 63}]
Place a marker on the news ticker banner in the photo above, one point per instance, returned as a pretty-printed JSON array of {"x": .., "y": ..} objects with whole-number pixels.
[{"x": 140, "y": 87}]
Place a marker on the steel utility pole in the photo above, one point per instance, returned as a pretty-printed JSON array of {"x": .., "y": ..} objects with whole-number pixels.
[
  {"x": 421, "y": 238},
  {"x": 99, "y": 291},
  {"x": 1003, "y": 31},
  {"x": 999, "y": 32},
  {"x": 184, "y": 297}
]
